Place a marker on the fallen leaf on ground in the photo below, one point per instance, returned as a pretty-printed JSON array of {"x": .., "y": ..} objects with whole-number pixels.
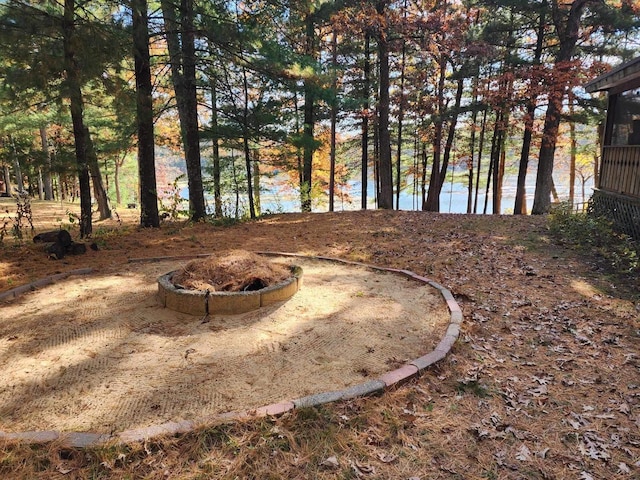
[
  {"x": 524, "y": 454},
  {"x": 331, "y": 462}
]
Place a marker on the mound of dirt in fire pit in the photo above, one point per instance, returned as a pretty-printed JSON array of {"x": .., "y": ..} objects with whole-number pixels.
[{"x": 231, "y": 271}]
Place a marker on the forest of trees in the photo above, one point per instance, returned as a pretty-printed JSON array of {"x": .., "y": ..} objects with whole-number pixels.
[{"x": 389, "y": 92}]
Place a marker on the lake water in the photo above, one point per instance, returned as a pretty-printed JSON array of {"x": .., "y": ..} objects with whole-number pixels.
[{"x": 453, "y": 198}]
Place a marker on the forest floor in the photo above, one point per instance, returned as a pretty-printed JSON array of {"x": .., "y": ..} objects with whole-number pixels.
[{"x": 543, "y": 383}]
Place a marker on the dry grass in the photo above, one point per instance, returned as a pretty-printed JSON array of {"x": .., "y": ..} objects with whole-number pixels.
[{"x": 543, "y": 383}]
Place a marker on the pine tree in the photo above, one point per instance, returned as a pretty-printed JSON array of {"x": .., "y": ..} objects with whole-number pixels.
[
  {"x": 180, "y": 36},
  {"x": 144, "y": 107},
  {"x": 567, "y": 23}
]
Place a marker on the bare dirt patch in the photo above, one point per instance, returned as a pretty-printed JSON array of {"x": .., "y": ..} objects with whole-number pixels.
[{"x": 99, "y": 353}]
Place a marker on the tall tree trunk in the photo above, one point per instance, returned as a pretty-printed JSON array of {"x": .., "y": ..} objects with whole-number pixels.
[
  {"x": 416, "y": 169},
  {"x": 215, "y": 153},
  {"x": 106, "y": 175},
  {"x": 144, "y": 109},
  {"x": 58, "y": 187},
  {"x": 47, "y": 183},
  {"x": 494, "y": 160},
  {"x": 192, "y": 147},
  {"x": 544, "y": 177},
  {"x": 40, "y": 184},
  {"x": 236, "y": 183},
  {"x": 453, "y": 121},
  {"x": 376, "y": 153},
  {"x": 72, "y": 73},
  {"x": 247, "y": 166},
  {"x": 568, "y": 37},
  {"x": 470, "y": 185},
  {"x": 433, "y": 196},
  {"x": 64, "y": 187},
  {"x": 502, "y": 123},
  {"x": 423, "y": 179},
  {"x": 183, "y": 73},
  {"x": 117, "y": 163},
  {"x": 596, "y": 156},
  {"x": 99, "y": 191},
  {"x": 245, "y": 143},
  {"x": 307, "y": 151},
  {"x": 32, "y": 185},
  {"x": 572, "y": 154},
  {"x": 472, "y": 143},
  {"x": 89, "y": 154},
  {"x": 400, "y": 116},
  {"x": 497, "y": 150},
  {"x": 483, "y": 131},
  {"x": 7, "y": 179},
  {"x": 334, "y": 116},
  {"x": 116, "y": 181},
  {"x": 520, "y": 206},
  {"x": 385, "y": 200},
  {"x": 497, "y": 209},
  {"x": 309, "y": 119},
  {"x": 365, "y": 121},
  {"x": 256, "y": 182},
  {"x": 16, "y": 166},
  {"x": 299, "y": 159}
]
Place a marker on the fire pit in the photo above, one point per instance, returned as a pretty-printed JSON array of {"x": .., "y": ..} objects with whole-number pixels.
[{"x": 230, "y": 283}]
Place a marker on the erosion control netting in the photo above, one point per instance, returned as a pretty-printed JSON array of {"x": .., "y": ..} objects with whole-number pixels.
[{"x": 231, "y": 271}]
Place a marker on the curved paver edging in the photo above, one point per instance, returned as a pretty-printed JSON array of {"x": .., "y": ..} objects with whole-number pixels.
[
  {"x": 385, "y": 382},
  {"x": 29, "y": 287}
]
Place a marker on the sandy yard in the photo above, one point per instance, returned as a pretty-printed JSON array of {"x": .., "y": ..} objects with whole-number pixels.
[{"x": 99, "y": 353}]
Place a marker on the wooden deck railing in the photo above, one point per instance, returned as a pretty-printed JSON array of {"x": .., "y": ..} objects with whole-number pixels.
[{"x": 620, "y": 170}]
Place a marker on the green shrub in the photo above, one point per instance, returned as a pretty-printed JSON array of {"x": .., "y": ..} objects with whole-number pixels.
[{"x": 596, "y": 235}]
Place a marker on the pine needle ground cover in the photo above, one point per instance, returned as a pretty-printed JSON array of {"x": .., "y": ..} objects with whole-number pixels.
[
  {"x": 230, "y": 271},
  {"x": 543, "y": 382}
]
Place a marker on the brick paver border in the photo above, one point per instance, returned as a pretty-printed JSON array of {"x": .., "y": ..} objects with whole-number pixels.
[{"x": 383, "y": 383}]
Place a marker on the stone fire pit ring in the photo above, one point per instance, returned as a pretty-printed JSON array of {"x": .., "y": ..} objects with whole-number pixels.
[{"x": 198, "y": 302}]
